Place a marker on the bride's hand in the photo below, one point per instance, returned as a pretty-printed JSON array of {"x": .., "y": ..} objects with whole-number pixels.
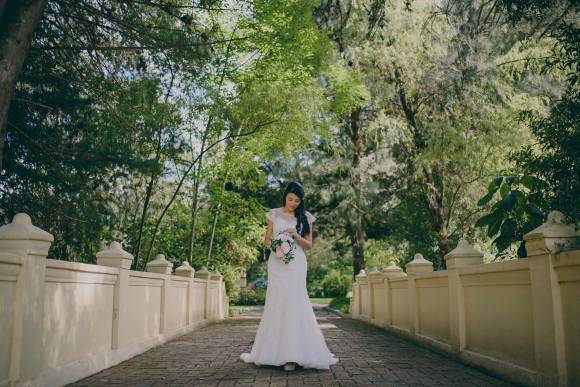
[{"x": 293, "y": 232}]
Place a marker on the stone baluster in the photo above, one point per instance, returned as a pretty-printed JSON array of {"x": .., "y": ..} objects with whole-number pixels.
[
  {"x": 185, "y": 270},
  {"x": 542, "y": 245},
  {"x": 205, "y": 275},
  {"x": 362, "y": 281},
  {"x": 115, "y": 256},
  {"x": 31, "y": 243},
  {"x": 375, "y": 280},
  {"x": 463, "y": 255},
  {"x": 162, "y": 266},
  {"x": 418, "y": 265},
  {"x": 390, "y": 272}
]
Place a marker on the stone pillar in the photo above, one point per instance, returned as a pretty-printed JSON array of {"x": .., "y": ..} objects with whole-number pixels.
[
  {"x": 375, "y": 278},
  {"x": 204, "y": 274},
  {"x": 185, "y": 270},
  {"x": 463, "y": 255},
  {"x": 22, "y": 238},
  {"x": 215, "y": 305},
  {"x": 362, "y": 281},
  {"x": 542, "y": 244},
  {"x": 390, "y": 272},
  {"x": 161, "y": 266},
  {"x": 115, "y": 256},
  {"x": 418, "y": 265}
]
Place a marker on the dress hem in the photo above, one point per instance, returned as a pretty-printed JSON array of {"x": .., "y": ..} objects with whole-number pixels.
[{"x": 246, "y": 357}]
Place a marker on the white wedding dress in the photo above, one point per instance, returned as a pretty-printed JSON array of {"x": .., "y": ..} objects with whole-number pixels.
[{"x": 288, "y": 330}]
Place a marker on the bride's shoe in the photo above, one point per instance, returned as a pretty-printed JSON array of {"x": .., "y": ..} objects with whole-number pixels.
[{"x": 289, "y": 366}]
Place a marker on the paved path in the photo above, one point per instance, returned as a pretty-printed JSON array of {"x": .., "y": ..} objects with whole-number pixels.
[{"x": 368, "y": 356}]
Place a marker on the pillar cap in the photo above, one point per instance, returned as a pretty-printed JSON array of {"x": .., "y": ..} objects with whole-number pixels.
[
  {"x": 115, "y": 256},
  {"x": 554, "y": 227},
  {"x": 463, "y": 255},
  {"x": 550, "y": 237},
  {"x": 185, "y": 270},
  {"x": 361, "y": 276},
  {"x": 115, "y": 250},
  {"x": 393, "y": 271},
  {"x": 21, "y": 228},
  {"x": 203, "y": 273},
  {"x": 419, "y": 265},
  {"x": 160, "y": 265}
]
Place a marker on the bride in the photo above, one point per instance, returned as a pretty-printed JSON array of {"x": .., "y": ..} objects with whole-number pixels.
[{"x": 288, "y": 333}]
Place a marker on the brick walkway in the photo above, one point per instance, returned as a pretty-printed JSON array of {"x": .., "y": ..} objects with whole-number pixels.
[{"x": 368, "y": 356}]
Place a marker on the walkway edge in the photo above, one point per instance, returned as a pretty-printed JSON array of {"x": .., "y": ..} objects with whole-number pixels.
[{"x": 336, "y": 312}]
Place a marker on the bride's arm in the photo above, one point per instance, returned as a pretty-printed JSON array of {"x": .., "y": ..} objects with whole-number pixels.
[
  {"x": 306, "y": 241},
  {"x": 269, "y": 232}
]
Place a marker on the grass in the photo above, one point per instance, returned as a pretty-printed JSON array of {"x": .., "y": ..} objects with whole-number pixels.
[
  {"x": 320, "y": 300},
  {"x": 338, "y": 303}
]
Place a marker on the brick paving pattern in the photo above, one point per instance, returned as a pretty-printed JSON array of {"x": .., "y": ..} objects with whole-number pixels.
[{"x": 368, "y": 356}]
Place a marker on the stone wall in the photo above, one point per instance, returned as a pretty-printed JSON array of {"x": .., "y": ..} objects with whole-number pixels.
[
  {"x": 61, "y": 321},
  {"x": 518, "y": 319}
]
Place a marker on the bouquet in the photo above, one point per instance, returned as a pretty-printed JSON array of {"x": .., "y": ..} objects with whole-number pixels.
[{"x": 283, "y": 245}]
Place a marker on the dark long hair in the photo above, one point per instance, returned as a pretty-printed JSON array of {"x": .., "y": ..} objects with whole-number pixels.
[{"x": 302, "y": 225}]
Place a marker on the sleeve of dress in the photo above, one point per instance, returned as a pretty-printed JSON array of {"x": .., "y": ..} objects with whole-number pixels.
[
  {"x": 270, "y": 215},
  {"x": 310, "y": 218}
]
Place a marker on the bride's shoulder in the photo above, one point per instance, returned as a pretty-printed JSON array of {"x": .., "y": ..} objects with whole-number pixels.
[
  {"x": 271, "y": 214},
  {"x": 309, "y": 217}
]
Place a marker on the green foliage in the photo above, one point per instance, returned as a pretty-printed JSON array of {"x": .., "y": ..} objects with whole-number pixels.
[
  {"x": 341, "y": 304},
  {"x": 555, "y": 159},
  {"x": 249, "y": 297},
  {"x": 513, "y": 214},
  {"x": 349, "y": 90},
  {"x": 336, "y": 284}
]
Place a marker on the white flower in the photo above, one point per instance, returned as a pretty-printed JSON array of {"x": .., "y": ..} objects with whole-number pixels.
[{"x": 285, "y": 247}]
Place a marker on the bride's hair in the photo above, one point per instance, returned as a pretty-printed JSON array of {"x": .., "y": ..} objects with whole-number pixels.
[{"x": 302, "y": 225}]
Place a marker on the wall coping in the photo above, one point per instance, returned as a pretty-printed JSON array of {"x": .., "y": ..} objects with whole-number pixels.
[{"x": 82, "y": 267}]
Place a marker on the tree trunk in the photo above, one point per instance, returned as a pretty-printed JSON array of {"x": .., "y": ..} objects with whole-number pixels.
[
  {"x": 213, "y": 228},
  {"x": 18, "y": 20},
  {"x": 357, "y": 237},
  {"x": 137, "y": 249},
  {"x": 195, "y": 197},
  {"x": 433, "y": 195},
  {"x": 432, "y": 191}
]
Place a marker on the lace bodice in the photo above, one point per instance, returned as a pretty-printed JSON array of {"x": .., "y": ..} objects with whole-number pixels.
[{"x": 283, "y": 221}]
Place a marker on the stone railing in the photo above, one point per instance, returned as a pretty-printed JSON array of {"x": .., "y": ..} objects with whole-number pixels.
[
  {"x": 61, "y": 321},
  {"x": 518, "y": 319}
]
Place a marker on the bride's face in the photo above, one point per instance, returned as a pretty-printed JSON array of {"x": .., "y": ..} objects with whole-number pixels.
[{"x": 292, "y": 201}]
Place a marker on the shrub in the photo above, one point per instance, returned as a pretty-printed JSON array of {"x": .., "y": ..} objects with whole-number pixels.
[
  {"x": 341, "y": 303},
  {"x": 336, "y": 284},
  {"x": 249, "y": 297}
]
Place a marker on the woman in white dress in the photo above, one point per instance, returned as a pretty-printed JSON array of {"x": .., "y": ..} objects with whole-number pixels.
[{"x": 288, "y": 333}]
